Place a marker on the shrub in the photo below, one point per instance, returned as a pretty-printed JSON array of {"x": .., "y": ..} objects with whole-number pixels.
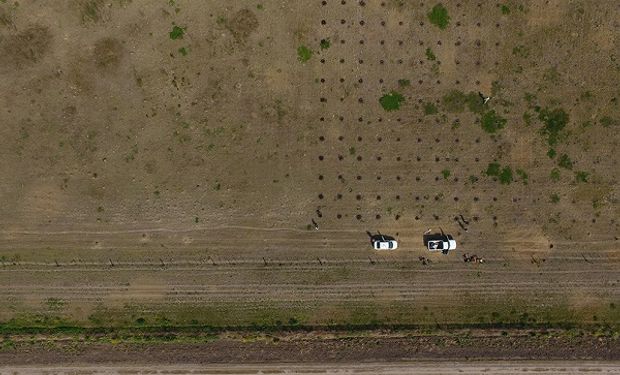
[
  {"x": 493, "y": 169},
  {"x": 565, "y": 162},
  {"x": 551, "y": 153},
  {"x": 505, "y": 176},
  {"x": 492, "y": 122},
  {"x": 439, "y": 17},
  {"x": 581, "y": 176},
  {"x": 555, "y": 174},
  {"x": 325, "y": 43},
  {"x": 555, "y": 121},
  {"x": 391, "y": 101}
]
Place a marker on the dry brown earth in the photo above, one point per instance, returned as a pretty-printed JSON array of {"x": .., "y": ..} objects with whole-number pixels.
[{"x": 146, "y": 180}]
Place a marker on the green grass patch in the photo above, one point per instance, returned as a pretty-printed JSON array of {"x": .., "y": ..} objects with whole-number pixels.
[
  {"x": 555, "y": 175},
  {"x": 530, "y": 99},
  {"x": 491, "y": 121},
  {"x": 55, "y": 303},
  {"x": 505, "y": 9},
  {"x": 607, "y": 121},
  {"x": 325, "y": 43},
  {"x": 493, "y": 169},
  {"x": 456, "y": 101},
  {"x": 522, "y": 175},
  {"x": 177, "y": 32},
  {"x": 303, "y": 53},
  {"x": 445, "y": 173},
  {"x": 439, "y": 17},
  {"x": 521, "y": 51},
  {"x": 565, "y": 162},
  {"x": 430, "y": 109},
  {"x": 183, "y": 51},
  {"x": 503, "y": 174},
  {"x": 391, "y": 101},
  {"x": 351, "y": 150},
  {"x": 555, "y": 198},
  {"x": 554, "y": 120},
  {"x": 551, "y": 153},
  {"x": 581, "y": 176},
  {"x": 430, "y": 55}
]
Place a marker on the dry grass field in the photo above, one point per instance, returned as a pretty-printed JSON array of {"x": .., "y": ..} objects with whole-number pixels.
[{"x": 162, "y": 162}]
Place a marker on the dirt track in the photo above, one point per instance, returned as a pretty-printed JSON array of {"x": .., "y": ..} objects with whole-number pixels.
[
  {"x": 417, "y": 368},
  {"x": 331, "y": 269}
]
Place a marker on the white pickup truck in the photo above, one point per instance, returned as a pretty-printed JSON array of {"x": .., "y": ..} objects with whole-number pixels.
[{"x": 440, "y": 242}]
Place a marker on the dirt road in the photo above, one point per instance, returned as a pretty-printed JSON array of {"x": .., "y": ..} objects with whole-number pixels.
[{"x": 417, "y": 368}]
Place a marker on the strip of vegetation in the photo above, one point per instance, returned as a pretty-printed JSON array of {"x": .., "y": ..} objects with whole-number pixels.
[{"x": 170, "y": 333}]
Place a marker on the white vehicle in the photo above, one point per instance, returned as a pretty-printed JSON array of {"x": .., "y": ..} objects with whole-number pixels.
[
  {"x": 381, "y": 242},
  {"x": 440, "y": 242}
]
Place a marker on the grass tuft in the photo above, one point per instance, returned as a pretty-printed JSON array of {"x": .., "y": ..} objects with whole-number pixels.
[
  {"x": 177, "y": 32},
  {"x": 303, "y": 53},
  {"x": 430, "y": 55}
]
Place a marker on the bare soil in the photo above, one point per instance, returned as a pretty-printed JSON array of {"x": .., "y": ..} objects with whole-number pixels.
[
  {"x": 418, "y": 368},
  {"x": 282, "y": 347}
]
